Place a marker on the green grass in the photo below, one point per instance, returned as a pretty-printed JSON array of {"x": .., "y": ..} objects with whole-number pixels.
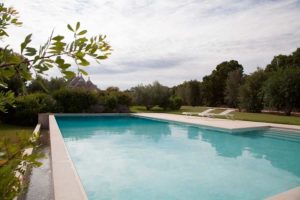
[
  {"x": 270, "y": 118},
  {"x": 256, "y": 117},
  {"x": 156, "y": 109},
  {"x": 11, "y": 131}
]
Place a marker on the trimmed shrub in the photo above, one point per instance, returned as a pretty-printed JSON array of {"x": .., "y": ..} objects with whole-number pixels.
[
  {"x": 75, "y": 100},
  {"x": 175, "y": 102}
]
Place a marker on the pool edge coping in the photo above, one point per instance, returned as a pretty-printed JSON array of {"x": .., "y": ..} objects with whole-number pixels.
[
  {"x": 67, "y": 184},
  {"x": 261, "y": 125}
]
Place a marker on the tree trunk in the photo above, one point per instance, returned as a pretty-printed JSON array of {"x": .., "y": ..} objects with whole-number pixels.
[
  {"x": 148, "y": 107},
  {"x": 288, "y": 111}
]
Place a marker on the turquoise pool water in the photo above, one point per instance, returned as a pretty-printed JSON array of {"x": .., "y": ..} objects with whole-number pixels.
[{"x": 130, "y": 158}]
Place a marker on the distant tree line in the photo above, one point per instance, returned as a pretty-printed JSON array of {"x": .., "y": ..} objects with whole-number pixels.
[{"x": 275, "y": 87}]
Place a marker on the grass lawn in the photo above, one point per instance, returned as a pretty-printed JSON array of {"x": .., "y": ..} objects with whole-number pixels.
[
  {"x": 264, "y": 117},
  {"x": 11, "y": 131},
  {"x": 256, "y": 117}
]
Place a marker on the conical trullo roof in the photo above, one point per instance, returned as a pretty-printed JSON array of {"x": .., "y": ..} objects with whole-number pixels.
[{"x": 79, "y": 82}]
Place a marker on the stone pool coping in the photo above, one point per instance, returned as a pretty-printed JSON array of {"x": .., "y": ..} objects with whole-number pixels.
[
  {"x": 223, "y": 124},
  {"x": 66, "y": 181}
]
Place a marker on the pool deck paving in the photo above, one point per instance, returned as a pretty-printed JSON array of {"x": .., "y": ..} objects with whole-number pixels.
[
  {"x": 67, "y": 184},
  {"x": 40, "y": 185},
  {"x": 225, "y": 124}
]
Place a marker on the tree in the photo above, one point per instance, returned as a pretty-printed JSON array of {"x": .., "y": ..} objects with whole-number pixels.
[
  {"x": 40, "y": 84},
  {"x": 142, "y": 96},
  {"x": 284, "y": 61},
  {"x": 282, "y": 89},
  {"x": 278, "y": 62},
  {"x": 57, "y": 84},
  {"x": 190, "y": 92},
  {"x": 214, "y": 84},
  {"x": 51, "y": 54},
  {"x": 13, "y": 82},
  {"x": 233, "y": 83},
  {"x": 296, "y": 57},
  {"x": 151, "y": 95},
  {"x": 251, "y": 94}
]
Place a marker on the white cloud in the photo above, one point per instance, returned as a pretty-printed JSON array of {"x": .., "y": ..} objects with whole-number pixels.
[{"x": 170, "y": 40}]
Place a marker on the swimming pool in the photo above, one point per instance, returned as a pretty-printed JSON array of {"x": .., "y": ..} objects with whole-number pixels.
[{"x": 125, "y": 157}]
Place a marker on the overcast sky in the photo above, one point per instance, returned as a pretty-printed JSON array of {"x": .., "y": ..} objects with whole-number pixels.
[{"x": 167, "y": 40}]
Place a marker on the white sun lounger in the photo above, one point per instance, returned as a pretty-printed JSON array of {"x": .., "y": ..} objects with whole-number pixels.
[
  {"x": 204, "y": 113},
  {"x": 225, "y": 113}
]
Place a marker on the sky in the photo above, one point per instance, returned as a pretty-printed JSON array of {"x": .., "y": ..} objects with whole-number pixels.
[{"x": 170, "y": 41}]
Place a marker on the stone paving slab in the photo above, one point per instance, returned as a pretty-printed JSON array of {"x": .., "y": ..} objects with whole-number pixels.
[
  {"x": 225, "y": 124},
  {"x": 40, "y": 185}
]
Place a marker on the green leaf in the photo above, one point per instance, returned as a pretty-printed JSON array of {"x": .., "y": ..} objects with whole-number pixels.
[
  {"x": 48, "y": 65},
  {"x": 59, "y": 60},
  {"x": 3, "y": 33},
  {"x": 82, "y": 32},
  {"x": 65, "y": 66},
  {"x": 101, "y": 57},
  {"x": 26, "y": 42},
  {"x": 7, "y": 72},
  {"x": 68, "y": 74},
  {"x": 83, "y": 72},
  {"x": 79, "y": 54},
  {"x": 70, "y": 28},
  {"x": 83, "y": 62},
  {"x": 77, "y": 26},
  {"x": 26, "y": 75},
  {"x": 30, "y": 51},
  {"x": 58, "y": 38}
]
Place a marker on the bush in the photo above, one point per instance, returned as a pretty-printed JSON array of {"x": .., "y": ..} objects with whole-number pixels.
[
  {"x": 116, "y": 101},
  {"x": 75, "y": 100},
  {"x": 124, "y": 99},
  {"x": 111, "y": 103},
  {"x": 175, "y": 102},
  {"x": 28, "y": 107}
]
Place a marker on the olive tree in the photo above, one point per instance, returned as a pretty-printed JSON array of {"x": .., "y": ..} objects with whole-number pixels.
[
  {"x": 251, "y": 95},
  {"x": 282, "y": 89},
  {"x": 233, "y": 83},
  {"x": 151, "y": 95}
]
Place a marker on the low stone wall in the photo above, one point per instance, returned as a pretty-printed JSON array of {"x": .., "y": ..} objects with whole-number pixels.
[{"x": 43, "y": 119}]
